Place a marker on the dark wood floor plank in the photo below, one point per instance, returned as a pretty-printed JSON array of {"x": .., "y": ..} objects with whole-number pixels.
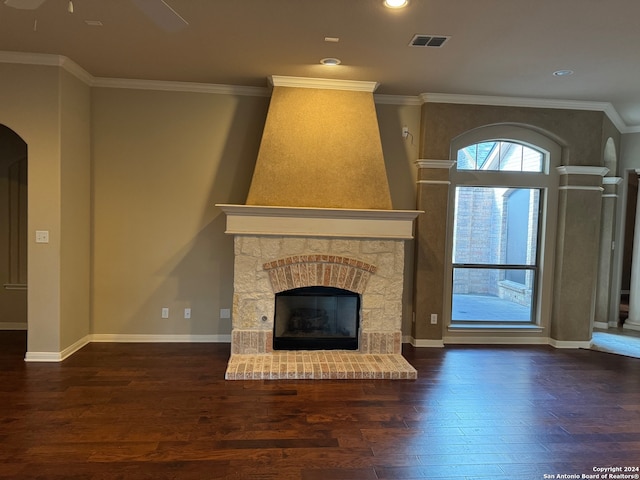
[{"x": 164, "y": 411}]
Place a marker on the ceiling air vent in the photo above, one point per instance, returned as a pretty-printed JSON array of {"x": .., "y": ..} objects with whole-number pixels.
[{"x": 428, "y": 40}]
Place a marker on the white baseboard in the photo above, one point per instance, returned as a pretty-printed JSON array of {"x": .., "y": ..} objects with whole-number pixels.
[
  {"x": 420, "y": 342},
  {"x": 631, "y": 326},
  {"x": 43, "y": 357},
  {"x": 569, "y": 343},
  {"x": 13, "y": 325},
  {"x": 602, "y": 325},
  {"x": 495, "y": 340},
  {"x": 426, "y": 342},
  {"x": 57, "y": 356},
  {"x": 123, "y": 338},
  {"x": 155, "y": 338}
]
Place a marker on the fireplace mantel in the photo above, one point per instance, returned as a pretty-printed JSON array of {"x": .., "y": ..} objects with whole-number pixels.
[{"x": 325, "y": 222}]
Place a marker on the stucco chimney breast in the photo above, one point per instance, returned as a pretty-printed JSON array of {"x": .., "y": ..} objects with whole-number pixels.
[{"x": 321, "y": 148}]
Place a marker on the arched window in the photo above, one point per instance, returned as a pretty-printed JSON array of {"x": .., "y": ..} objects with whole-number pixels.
[
  {"x": 502, "y": 189},
  {"x": 500, "y": 156}
]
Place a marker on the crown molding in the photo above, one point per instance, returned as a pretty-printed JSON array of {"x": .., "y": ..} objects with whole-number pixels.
[
  {"x": 323, "y": 83},
  {"x": 166, "y": 86},
  {"x": 397, "y": 100},
  {"x": 605, "y": 107},
  {"x": 45, "y": 59},
  {"x": 76, "y": 70},
  {"x": 42, "y": 59}
]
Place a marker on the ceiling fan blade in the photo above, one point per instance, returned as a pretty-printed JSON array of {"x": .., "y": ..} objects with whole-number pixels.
[
  {"x": 24, "y": 4},
  {"x": 161, "y": 13}
]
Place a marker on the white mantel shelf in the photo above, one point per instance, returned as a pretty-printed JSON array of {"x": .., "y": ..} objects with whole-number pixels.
[{"x": 325, "y": 222}]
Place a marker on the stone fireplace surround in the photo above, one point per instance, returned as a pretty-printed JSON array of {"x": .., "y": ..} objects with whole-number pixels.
[{"x": 280, "y": 248}]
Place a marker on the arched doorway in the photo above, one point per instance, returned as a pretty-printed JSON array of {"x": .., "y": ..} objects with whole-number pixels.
[{"x": 13, "y": 237}]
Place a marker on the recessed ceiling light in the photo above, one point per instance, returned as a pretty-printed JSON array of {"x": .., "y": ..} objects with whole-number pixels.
[
  {"x": 396, "y": 3},
  {"x": 562, "y": 73},
  {"x": 330, "y": 61}
]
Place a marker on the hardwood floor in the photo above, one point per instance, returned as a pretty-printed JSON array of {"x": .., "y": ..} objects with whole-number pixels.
[{"x": 164, "y": 411}]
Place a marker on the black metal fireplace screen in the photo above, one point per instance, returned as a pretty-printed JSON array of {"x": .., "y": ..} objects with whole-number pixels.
[{"x": 316, "y": 318}]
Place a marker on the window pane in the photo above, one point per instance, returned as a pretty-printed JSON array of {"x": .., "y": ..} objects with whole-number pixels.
[
  {"x": 496, "y": 225},
  {"x": 484, "y": 294},
  {"x": 500, "y": 156}
]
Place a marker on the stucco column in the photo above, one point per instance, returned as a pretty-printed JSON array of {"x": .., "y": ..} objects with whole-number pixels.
[
  {"x": 576, "y": 266},
  {"x": 431, "y": 233},
  {"x": 605, "y": 259},
  {"x": 633, "y": 321}
]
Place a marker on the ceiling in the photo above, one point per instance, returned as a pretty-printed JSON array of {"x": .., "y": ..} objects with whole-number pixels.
[{"x": 506, "y": 48}]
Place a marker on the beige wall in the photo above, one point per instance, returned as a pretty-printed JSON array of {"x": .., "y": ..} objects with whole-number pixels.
[
  {"x": 400, "y": 155},
  {"x": 582, "y": 131},
  {"x": 29, "y": 96},
  {"x": 582, "y": 136},
  {"x": 161, "y": 161},
  {"x": 630, "y": 152},
  {"x": 126, "y": 181},
  {"x": 75, "y": 206}
]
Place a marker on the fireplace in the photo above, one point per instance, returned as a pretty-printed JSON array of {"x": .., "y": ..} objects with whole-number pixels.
[
  {"x": 319, "y": 252},
  {"x": 316, "y": 318}
]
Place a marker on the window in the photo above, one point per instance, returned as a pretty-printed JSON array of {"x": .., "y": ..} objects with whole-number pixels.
[
  {"x": 500, "y": 156},
  {"x": 501, "y": 193},
  {"x": 495, "y": 254}
]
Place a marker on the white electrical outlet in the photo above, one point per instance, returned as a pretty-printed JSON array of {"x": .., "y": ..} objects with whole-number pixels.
[
  {"x": 434, "y": 319},
  {"x": 42, "y": 236},
  {"x": 165, "y": 312},
  {"x": 187, "y": 313},
  {"x": 225, "y": 313}
]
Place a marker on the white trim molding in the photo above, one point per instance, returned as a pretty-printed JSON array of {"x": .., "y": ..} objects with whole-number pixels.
[
  {"x": 582, "y": 170},
  {"x": 48, "y": 60},
  {"x": 495, "y": 340},
  {"x": 122, "y": 338},
  {"x": 570, "y": 343},
  {"x": 330, "y": 222},
  {"x": 57, "y": 356},
  {"x": 581, "y": 187},
  {"x": 323, "y": 83},
  {"x": 382, "y": 99},
  {"x": 427, "y": 163},
  {"x": 164, "y": 86},
  {"x": 75, "y": 69},
  {"x": 435, "y": 182},
  {"x": 612, "y": 180},
  {"x": 426, "y": 343},
  {"x": 159, "y": 338}
]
